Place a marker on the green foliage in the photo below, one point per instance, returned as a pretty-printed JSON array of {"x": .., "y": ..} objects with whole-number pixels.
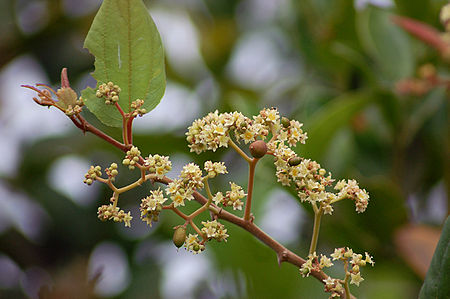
[
  {"x": 436, "y": 282},
  {"x": 330, "y": 118},
  {"x": 386, "y": 44},
  {"x": 128, "y": 51}
]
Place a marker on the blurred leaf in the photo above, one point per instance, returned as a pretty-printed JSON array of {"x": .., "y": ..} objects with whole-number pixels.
[
  {"x": 386, "y": 44},
  {"x": 329, "y": 119},
  {"x": 436, "y": 282},
  {"x": 430, "y": 105},
  {"x": 355, "y": 58},
  {"x": 416, "y": 9},
  {"x": 128, "y": 51}
]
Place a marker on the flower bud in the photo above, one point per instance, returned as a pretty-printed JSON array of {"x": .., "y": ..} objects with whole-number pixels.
[
  {"x": 258, "y": 149},
  {"x": 285, "y": 122},
  {"x": 294, "y": 161},
  {"x": 179, "y": 236}
]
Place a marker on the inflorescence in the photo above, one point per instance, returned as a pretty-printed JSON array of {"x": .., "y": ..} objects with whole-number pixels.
[{"x": 267, "y": 133}]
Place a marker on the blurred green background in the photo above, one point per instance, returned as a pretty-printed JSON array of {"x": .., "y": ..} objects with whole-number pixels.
[{"x": 332, "y": 65}]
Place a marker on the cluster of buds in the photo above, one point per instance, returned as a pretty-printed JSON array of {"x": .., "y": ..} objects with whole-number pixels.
[
  {"x": 231, "y": 198},
  {"x": 109, "y": 91},
  {"x": 112, "y": 171},
  {"x": 151, "y": 206},
  {"x": 68, "y": 100},
  {"x": 132, "y": 157},
  {"x": 214, "y": 230},
  {"x": 109, "y": 212},
  {"x": 160, "y": 165},
  {"x": 75, "y": 108},
  {"x": 193, "y": 244},
  {"x": 92, "y": 174},
  {"x": 137, "y": 110}
]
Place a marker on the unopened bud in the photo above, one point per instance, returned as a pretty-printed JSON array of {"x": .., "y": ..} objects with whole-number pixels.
[{"x": 258, "y": 149}]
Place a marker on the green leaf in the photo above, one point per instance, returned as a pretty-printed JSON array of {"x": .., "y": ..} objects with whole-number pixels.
[
  {"x": 436, "y": 283},
  {"x": 128, "y": 51},
  {"x": 385, "y": 43},
  {"x": 328, "y": 120}
]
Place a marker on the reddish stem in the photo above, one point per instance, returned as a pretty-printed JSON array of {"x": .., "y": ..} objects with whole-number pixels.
[
  {"x": 251, "y": 178},
  {"x": 120, "y": 109},
  {"x": 129, "y": 129},
  {"x": 83, "y": 125},
  {"x": 424, "y": 32}
]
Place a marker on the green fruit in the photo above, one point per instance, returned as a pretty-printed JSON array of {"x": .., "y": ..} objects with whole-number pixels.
[
  {"x": 294, "y": 161},
  {"x": 285, "y": 122},
  {"x": 179, "y": 236}
]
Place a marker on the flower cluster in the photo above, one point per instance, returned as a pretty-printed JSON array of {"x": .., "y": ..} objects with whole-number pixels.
[
  {"x": 191, "y": 176},
  {"x": 193, "y": 244},
  {"x": 314, "y": 264},
  {"x": 350, "y": 189},
  {"x": 215, "y": 168},
  {"x": 160, "y": 165},
  {"x": 109, "y": 91},
  {"x": 214, "y": 230},
  {"x": 74, "y": 109},
  {"x": 333, "y": 286},
  {"x": 231, "y": 198},
  {"x": 354, "y": 260},
  {"x": 109, "y": 212},
  {"x": 151, "y": 206},
  {"x": 213, "y": 130},
  {"x": 179, "y": 193},
  {"x": 92, "y": 174},
  {"x": 308, "y": 177},
  {"x": 132, "y": 157},
  {"x": 111, "y": 171},
  {"x": 137, "y": 110}
]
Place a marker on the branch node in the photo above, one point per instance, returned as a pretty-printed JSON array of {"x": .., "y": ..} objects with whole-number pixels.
[{"x": 282, "y": 257}]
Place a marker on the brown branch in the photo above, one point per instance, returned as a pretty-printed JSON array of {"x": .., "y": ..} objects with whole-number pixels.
[
  {"x": 85, "y": 126},
  {"x": 251, "y": 178},
  {"x": 283, "y": 254}
]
